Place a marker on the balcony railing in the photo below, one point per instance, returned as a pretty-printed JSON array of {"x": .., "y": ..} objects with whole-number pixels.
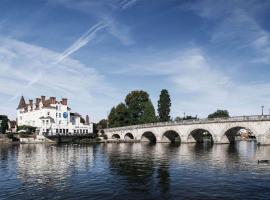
[{"x": 196, "y": 121}]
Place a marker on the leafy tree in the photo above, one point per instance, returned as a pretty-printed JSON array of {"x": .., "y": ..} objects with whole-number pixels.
[
  {"x": 27, "y": 129},
  {"x": 148, "y": 115},
  {"x": 112, "y": 118},
  {"x": 164, "y": 106},
  {"x": 188, "y": 117},
  {"x": 136, "y": 102},
  {"x": 219, "y": 113},
  {"x": 178, "y": 119},
  {"x": 3, "y": 123},
  {"x": 122, "y": 115},
  {"x": 102, "y": 124}
]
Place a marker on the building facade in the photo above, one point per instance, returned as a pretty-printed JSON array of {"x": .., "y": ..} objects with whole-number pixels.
[{"x": 52, "y": 117}]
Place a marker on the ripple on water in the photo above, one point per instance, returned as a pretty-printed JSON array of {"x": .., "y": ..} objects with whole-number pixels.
[{"x": 134, "y": 171}]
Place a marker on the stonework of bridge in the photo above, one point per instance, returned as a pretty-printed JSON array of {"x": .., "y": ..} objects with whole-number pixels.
[{"x": 220, "y": 130}]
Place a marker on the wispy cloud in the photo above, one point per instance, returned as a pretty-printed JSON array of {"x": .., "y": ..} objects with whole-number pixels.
[
  {"x": 23, "y": 64},
  {"x": 199, "y": 85},
  {"x": 125, "y": 4},
  {"x": 237, "y": 26}
]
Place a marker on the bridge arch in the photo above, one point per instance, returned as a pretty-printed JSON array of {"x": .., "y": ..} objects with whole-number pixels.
[
  {"x": 148, "y": 136},
  {"x": 115, "y": 136},
  {"x": 200, "y": 135},
  {"x": 171, "y": 136},
  {"x": 231, "y": 132},
  {"x": 129, "y": 136}
]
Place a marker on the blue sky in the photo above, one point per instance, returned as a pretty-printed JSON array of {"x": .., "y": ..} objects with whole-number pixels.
[{"x": 209, "y": 54}]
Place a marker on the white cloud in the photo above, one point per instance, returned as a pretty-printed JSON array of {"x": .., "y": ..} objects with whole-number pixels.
[
  {"x": 26, "y": 69},
  {"x": 237, "y": 26},
  {"x": 199, "y": 86}
]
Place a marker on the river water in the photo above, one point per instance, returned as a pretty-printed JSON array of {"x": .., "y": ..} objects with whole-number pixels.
[{"x": 134, "y": 171}]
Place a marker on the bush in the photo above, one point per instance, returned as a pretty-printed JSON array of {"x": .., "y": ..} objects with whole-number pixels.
[{"x": 28, "y": 129}]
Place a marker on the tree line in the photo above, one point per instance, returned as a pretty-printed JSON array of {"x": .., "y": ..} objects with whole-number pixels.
[{"x": 137, "y": 108}]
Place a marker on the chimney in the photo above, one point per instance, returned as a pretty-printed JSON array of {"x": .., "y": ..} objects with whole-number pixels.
[
  {"x": 64, "y": 101},
  {"x": 42, "y": 99},
  {"x": 52, "y": 100},
  {"x": 87, "y": 122},
  {"x": 37, "y": 102},
  {"x": 31, "y": 103}
]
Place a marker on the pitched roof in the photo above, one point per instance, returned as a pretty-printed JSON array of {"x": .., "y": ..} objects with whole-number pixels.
[{"x": 22, "y": 103}]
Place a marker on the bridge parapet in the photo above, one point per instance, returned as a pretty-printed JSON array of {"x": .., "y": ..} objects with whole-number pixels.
[{"x": 250, "y": 118}]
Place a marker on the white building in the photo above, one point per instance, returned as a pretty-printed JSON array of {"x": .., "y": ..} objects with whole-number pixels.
[{"x": 52, "y": 117}]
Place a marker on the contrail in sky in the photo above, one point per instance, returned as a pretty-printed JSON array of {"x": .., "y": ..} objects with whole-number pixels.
[
  {"x": 82, "y": 41},
  {"x": 127, "y": 3}
]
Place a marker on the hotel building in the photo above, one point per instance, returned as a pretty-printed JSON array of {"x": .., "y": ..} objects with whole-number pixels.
[{"x": 52, "y": 117}]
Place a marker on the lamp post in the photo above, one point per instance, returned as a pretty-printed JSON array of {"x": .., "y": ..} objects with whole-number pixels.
[{"x": 262, "y": 110}]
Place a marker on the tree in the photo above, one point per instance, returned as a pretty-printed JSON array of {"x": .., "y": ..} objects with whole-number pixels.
[
  {"x": 102, "y": 124},
  {"x": 3, "y": 123},
  {"x": 164, "y": 106},
  {"x": 178, "y": 119},
  {"x": 219, "y": 113},
  {"x": 148, "y": 115},
  {"x": 122, "y": 115},
  {"x": 136, "y": 102},
  {"x": 112, "y": 118}
]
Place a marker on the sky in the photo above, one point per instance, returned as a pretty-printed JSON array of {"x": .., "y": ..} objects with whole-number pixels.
[{"x": 208, "y": 54}]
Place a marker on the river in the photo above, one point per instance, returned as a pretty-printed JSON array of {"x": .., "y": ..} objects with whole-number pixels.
[{"x": 134, "y": 171}]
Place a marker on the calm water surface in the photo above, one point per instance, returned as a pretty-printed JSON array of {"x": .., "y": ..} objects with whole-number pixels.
[{"x": 134, "y": 171}]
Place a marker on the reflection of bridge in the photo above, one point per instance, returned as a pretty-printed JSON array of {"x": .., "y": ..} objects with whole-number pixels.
[{"x": 221, "y": 130}]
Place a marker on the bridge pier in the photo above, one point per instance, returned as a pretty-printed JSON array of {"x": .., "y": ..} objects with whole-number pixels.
[
  {"x": 220, "y": 140},
  {"x": 263, "y": 139}
]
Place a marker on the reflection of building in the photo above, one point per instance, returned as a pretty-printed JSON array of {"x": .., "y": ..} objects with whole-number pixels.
[
  {"x": 52, "y": 117},
  {"x": 47, "y": 164}
]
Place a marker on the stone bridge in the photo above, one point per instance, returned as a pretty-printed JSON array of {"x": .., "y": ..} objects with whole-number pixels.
[{"x": 218, "y": 130}]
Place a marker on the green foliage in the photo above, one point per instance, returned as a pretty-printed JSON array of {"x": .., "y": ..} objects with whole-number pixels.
[
  {"x": 178, "y": 119},
  {"x": 219, "y": 113},
  {"x": 28, "y": 129},
  {"x": 122, "y": 115},
  {"x": 148, "y": 115},
  {"x": 102, "y": 124},
  {"x": 3, "y": 123},
  {"x": 112, "y": 118},
  {"x": 137, "y": 109},
  {"x": 135, "y": 102},
  {"x": 164, "y": 106},
  {"x": 188, "y": 117}
]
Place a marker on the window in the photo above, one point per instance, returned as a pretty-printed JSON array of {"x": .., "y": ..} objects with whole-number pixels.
[
  {"x": 83, "y": 131},
  {"x": 60, "y": 130},
  {"x": 56, "y": 114},
  {"x": 48, "y": 113},
  {"x": 57, "y": 130},
  {"x": 59, "y": 114},
  {"x": 80, "y": 130},
  {"x": 86, "y": 131},
  {"x": 67, "y": 131},
  {"x": 64, "y": 130},
  {"x": 74, "y": 131},
  {"x": 56, "y": 109},
  {"x": 60, "y": 122}
]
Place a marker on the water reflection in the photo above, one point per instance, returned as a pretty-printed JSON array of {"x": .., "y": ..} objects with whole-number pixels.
[{"x": 134, "y": 171}]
